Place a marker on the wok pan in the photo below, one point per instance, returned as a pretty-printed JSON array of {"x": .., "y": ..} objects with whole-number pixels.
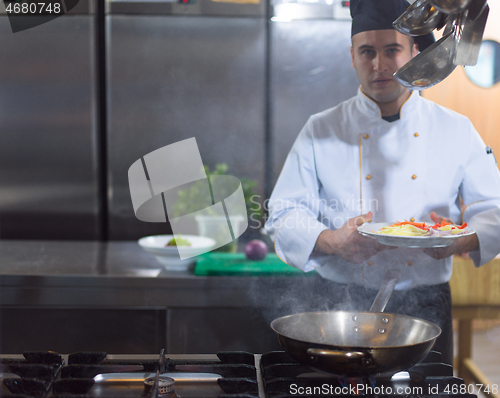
[{"x": 355, "y": 344}]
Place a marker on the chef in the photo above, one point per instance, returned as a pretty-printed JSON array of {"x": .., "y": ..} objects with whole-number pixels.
[{"x": 386, "y": 154}]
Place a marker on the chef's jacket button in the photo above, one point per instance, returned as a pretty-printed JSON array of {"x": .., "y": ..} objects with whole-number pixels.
[
  {"x": 410, "y": 263},
  {"x": 416, "y": 134},
  {"x": 368, "y": 177},
  {"x": 366, "y": 136},
  {"x": 370, "y": 262},
  {"x": 413, "y": 176},
  {"x": 412, "y": 219}
]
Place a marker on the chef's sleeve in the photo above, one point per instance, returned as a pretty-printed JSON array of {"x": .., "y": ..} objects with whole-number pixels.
[{"x": 293, "y": 221}]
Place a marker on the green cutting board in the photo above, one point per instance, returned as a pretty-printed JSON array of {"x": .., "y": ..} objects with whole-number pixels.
[{"x": 236, "y": 264}]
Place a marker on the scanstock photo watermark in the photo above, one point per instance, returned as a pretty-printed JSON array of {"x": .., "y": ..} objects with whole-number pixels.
[
  {"x": 365, "y": 389},
  {"x": 170, "y": 183},
  {"x": 26, "y": 14},
  {"x": 333, "y": 212}
]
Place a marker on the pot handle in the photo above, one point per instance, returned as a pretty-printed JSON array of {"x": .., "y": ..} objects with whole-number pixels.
[
  {"x": 316, "y": 354},
  {"x": 384, "y": 294}
]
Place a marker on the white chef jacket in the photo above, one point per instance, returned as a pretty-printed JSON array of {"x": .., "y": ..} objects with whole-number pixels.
[{"x": 348, "y": 160}]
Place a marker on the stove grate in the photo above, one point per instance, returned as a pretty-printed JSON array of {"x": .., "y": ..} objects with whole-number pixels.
[{"x": 284, "y": 377}]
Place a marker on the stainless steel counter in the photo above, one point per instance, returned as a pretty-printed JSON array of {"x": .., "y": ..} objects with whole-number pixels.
[
  {"x": 113, "y": 274},
  {"x": 116, "y": 297},
  {"x": 68, "y": 296}
]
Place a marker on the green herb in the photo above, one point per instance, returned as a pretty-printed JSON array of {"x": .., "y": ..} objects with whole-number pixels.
[
  {"x": 179, "y": 241},
  {"x": 190, "y": 200}
]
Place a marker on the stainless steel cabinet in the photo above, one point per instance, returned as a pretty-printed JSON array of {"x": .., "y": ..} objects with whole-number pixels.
[
  {"x": 48, "y": 163},
  {"x": 177, "y": 77},
  {"x": 310, "y": 71},
  {"x": 241, "y": 84}
]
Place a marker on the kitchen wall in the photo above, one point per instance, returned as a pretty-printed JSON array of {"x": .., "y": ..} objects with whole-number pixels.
[
  {"x": 229, "y": 75},
  {"x": 479, "y": 104},
  {"x": 237, "y": 77}
]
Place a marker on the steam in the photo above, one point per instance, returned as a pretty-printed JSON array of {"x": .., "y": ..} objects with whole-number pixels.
[
  {"x": 295, "y": 294},
  {"x": 277, "y": 297}
]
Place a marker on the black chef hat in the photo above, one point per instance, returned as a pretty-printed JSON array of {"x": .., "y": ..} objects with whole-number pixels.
[{"x": 380, "y": 14}]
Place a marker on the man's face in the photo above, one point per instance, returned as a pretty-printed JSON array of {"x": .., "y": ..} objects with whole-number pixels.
[{"x": 376, "y": 55}]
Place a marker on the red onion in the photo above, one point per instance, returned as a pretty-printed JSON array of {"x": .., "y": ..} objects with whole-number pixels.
[{"x": 256, "y": 250}]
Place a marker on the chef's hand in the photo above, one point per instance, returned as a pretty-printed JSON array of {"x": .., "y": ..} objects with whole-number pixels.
[
  {"x": 460, "y": 246},
  {"x": 347, "y": 243}
]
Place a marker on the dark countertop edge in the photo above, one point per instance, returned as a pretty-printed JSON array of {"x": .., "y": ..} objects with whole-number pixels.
[
  {"x": 171, "y": 280},
  {"x": 142, "y": 293}
]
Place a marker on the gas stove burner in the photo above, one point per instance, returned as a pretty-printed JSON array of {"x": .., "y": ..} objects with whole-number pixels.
[
  {"x": 165, "y": 386},
  {"x": 227, "y": 374},
  {"x": 285, "y": 378}
]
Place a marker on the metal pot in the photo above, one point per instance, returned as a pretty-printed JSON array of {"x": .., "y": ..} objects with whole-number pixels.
[
  {"x": 451, "y": 6},
  {"x": 418, "y": 19},
  {"x": 357, "y": 344},
  {"x": 431, "y": 66}
]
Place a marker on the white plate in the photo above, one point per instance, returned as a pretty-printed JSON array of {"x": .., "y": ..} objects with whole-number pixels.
[
  {"x": 169, "y": 256},
  {"x": 409, "y": 241}
]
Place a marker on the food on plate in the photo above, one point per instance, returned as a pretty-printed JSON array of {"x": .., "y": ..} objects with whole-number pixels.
[
  {"x": 179, "y": 241},
  {"x": 407, "y": 228},
  {"x": 256, "y": 250}
]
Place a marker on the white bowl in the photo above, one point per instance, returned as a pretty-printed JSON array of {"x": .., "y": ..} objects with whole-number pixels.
[{"x": 169, "y": 256}]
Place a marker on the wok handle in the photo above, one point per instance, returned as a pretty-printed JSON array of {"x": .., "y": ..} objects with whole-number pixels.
[
  {"x": 316, "y": 354},
  {"x": 384, "y": 294}
]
